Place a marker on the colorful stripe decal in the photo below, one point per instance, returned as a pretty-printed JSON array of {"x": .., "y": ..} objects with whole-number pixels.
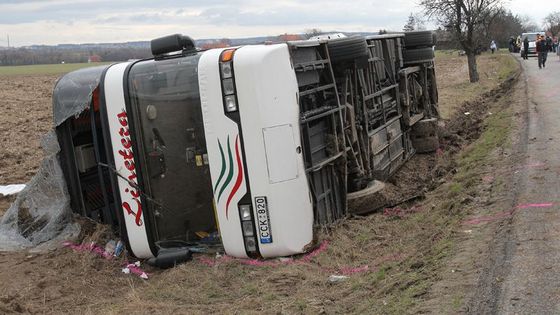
[
  {"x": 223, "y": 171},
  {"x": 239, "y": 179},
  {"x": 230, "y": 174}
]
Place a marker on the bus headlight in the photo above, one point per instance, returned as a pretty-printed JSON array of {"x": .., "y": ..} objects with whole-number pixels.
[
  {"x": 250, "y": 244},
  {"x": 229, "y": 89},
  {"x": 228, "y": 80},
  {"x": 231, "y": 103},
  {"x": 245, "y": 211},
  {"x": 248, "y": 228},
  {"x": 226, "y": 70}
]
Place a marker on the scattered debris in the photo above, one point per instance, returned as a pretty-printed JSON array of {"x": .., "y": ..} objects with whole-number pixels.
[
  {"x": 110, "y": 247},
  {"x": 337, "y": 278},
  {"x": 170, "y": 257},
  {"x": 135, "y": 269},
  {"x": 119, "y": 249}
]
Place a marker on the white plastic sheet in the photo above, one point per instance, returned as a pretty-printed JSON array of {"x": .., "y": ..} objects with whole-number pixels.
[
  {"x": 40, "y": 218},
  {"x": 11, "y": 189}
]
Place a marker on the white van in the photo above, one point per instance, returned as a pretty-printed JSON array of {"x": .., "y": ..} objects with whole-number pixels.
[{"x": 532, "y": 43}]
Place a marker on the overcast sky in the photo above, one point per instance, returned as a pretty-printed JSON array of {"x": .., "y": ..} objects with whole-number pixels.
[{"x": 88, "y": 21}]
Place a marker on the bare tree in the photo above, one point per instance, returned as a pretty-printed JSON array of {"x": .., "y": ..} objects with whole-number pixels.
[
  {"x": 415, "y": 22},
  {"x": 503, "y": 25},
  {"x": 528, "y": 24},
  {"x": 552, "y": 23},
  {"x": 410, "y": 23},
  {"x": 467, "y": 20}
]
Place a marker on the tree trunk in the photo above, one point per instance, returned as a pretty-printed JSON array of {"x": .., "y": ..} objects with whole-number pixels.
[{"x": 473, "y": 71}]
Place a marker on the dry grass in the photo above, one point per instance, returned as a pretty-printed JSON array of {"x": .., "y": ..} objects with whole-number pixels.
[
  {"x": 453, "y": 80},
  {"x": 403, "y": 254}
]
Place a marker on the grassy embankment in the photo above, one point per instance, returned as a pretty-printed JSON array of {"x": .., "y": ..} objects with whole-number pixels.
[{"x": 404, "y": 254}]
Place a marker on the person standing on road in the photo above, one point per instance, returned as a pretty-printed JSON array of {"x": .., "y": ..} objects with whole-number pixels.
[
  {"x": 493, "y": 46},
  {"x": 549, "y": 43},
  {"x": 526, "y": 48},
  {"x": 511, "y": 44},
  {"x": 542, "y": 51}
]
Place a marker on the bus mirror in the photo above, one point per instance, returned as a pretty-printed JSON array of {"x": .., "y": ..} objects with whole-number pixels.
[{"x": 171, "y": 43}]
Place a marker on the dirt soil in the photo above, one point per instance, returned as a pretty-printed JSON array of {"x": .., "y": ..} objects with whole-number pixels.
[
  {"x": 26, "y": 116},
  {"x": 388, "y": 257}
]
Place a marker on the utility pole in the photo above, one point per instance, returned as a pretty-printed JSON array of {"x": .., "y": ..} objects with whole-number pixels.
[{"x": 8, "y": 36}]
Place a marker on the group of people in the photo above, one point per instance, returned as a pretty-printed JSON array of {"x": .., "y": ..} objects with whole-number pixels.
[
  {"x": 543, "y": 46},
  {"x": 514, "y": 44}
]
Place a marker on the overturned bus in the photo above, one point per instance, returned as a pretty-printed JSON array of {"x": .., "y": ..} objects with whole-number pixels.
[{"x": 248, "y": 147}]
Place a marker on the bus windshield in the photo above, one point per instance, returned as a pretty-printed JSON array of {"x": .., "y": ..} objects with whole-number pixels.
[{"x": 164, "y": 95}]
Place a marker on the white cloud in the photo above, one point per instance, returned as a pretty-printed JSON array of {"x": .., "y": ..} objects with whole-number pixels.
[{"x": 81, "y": 21}]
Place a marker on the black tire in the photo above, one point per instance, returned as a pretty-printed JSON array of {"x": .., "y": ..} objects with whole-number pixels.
[
  {"x": 349, "y": 48},
  {"x": 419, "y": 39},
  {"x": 418, "y": 55}
]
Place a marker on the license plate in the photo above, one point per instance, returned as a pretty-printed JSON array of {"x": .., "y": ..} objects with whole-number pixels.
[{"x": 263, "y": 220}]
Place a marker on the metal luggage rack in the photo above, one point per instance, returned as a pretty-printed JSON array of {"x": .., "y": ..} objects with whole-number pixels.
[
  {"x": 373, "y": 94},
  {"x": 419, "y": 93},
  {"x": 322, "y": 129}
]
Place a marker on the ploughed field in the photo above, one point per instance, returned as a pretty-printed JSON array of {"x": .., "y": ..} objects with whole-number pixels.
[{"x": 370, "y": 250}]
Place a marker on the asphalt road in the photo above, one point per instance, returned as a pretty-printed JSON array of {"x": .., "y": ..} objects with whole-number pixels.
[{"x": 528, "y": 281}]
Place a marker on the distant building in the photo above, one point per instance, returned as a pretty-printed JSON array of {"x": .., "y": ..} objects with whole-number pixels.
[
  {"x": 289, "y": 37},
  {"x": 94, "y": 58},
  {"x": 220, "y": 43}
]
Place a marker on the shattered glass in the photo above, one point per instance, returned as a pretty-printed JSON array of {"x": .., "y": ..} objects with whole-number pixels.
[{"x": 72, "y": 93}]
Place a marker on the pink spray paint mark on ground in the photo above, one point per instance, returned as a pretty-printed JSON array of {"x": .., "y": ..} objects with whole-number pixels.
[
  {"x": 92, "y": 247},
  {"x": 266, "y": 263},
  {"x": 506, "y": 214},
  {"x": 305, "y": 260},
  {"x": 535, "y": 165}
]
